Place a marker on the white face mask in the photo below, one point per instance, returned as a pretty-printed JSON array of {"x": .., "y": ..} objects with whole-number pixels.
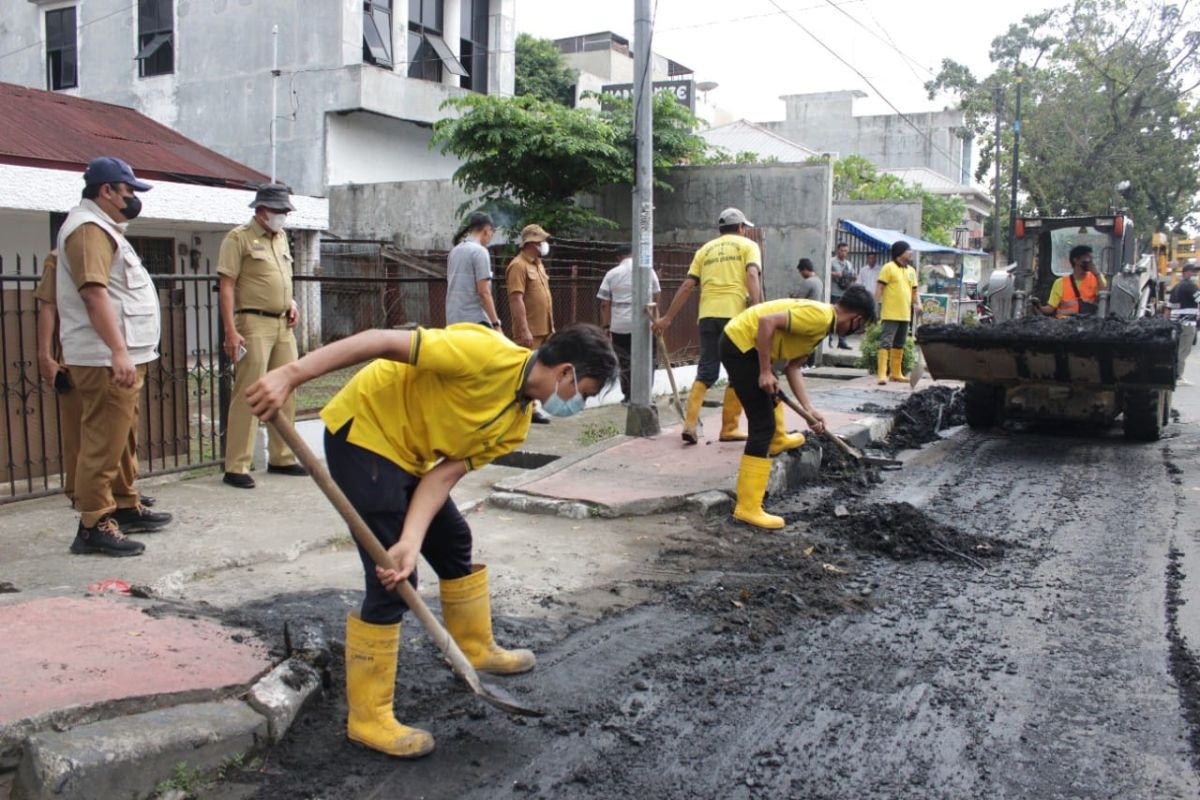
[
  {"x": 274, "y": 222},
  {"x": 543, "y": 249}
]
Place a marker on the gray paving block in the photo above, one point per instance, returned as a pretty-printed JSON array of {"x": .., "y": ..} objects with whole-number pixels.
[
  {"x": 128, "y": 756},
  {"x": 282, "y": 693}
]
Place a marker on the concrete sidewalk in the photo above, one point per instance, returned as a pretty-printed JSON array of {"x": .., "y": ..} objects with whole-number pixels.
[{"x": 116, "y": 692}]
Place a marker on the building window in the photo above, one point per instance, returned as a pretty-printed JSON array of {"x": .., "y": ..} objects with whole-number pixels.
[
  {"x": 157, "y": 255},
  {"x": 61, "y": 52},
  {"x": 156, "y": 38},
  {"x": 377, "y": 33},
  {"x": 473, "y": 47},
  {"x": 428, "y": 53}
]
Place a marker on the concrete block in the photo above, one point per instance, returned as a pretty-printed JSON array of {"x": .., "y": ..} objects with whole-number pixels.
[
  {"x": 128, "y": 756},
  {"x": 531, "y": 504},
  {"x": 790, "y": 471},
  {"x": 867, "y": 431},
  {"x": 711, "y": 504},
  {"x": 282, "y": 694}
]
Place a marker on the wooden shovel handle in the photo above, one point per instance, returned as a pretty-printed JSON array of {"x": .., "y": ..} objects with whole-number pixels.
[
  {"x": 811, "y": 420},
  {"x": 366, "y": 539}
]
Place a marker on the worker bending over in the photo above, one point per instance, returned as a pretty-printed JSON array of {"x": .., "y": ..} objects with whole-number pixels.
[
  {"x": 788, "y": 330},
  {"x": 431, "y": 406}
]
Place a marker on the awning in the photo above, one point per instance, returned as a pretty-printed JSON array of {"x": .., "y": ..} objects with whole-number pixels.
[{"x": 884, "y": 238}]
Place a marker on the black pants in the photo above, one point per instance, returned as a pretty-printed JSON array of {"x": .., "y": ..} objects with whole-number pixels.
[
  {"x": 893, "y": 334},
  {"x": 380, "y": 492},
  {"x": 742, "y": 369},
  {"x": 711, "y": 331},
  {"x": 623, "y": 346}
]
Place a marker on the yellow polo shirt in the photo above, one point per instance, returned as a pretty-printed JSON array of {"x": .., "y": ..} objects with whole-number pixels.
[
  {"x": 457, "y": 398},
  {"x": 720, "y": 266},
  {"x": 899, "y": 283},
  {"x": 808, "y": 322}
]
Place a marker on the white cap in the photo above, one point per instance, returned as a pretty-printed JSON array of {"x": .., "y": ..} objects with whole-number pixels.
[{"x": 733, "y": 216}]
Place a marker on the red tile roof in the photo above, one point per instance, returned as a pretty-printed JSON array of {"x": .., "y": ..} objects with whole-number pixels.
[{"x": 59, "y": 131}]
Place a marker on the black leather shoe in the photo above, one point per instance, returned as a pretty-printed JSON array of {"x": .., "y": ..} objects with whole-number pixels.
[
  {"x": 104, "y": 539},
  {"x": 239, "y": 479},
  {"x": 140, "y": 519},
  {"x": 843, "y": 346},
  {"x": 541, "y": 418},
  {"x": 147, "y": 500},
  {"x": 290, "y": 469}
]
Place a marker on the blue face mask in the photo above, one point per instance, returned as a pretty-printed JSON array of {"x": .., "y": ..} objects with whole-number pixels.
[{"x": 558, "y": 407}]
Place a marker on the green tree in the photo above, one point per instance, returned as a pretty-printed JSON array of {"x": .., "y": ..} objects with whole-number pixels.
[
  {"x": 856, "y": 178},
  {"x": 542, "y": 72},
  {"x": 530, "y": 159},
  {"x": 1106, "y": 88}
]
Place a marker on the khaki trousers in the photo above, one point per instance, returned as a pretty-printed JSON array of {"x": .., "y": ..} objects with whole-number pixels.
[
  {"x": 269, "y": 344},
  {"x": 108, "y": 414},
  {"x": 70, "y": 409}
]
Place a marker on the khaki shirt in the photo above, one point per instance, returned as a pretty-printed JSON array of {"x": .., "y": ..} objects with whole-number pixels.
[
  {"x": 529, "y": 278},
  {"x": 90, "y": 253},
  {"x": 47, "y": 292},
  {"x": 261, "y": 264}
]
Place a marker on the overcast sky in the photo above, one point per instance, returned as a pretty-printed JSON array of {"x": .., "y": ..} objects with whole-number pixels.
[{"x": 757, "y": 54}]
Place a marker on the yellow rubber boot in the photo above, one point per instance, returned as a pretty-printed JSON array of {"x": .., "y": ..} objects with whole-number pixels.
[
  {"x": 751, "y": 488},
  {"x": 371, "y": 652},
  {"x": 898, "y": 375},
  {"x": 467, "y": 610},
  {"x": 881, "y": 372},
  {"x": 691, "y": 418},
  {"x": 783, "y": 441},
  {"x": 731, "y": 412}
]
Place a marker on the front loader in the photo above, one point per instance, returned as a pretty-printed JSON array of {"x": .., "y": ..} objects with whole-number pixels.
[{"x": 1121, "y": 362}]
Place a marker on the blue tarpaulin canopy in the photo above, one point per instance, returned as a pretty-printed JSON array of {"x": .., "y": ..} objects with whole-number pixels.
[{"x": 884, "y": 238}]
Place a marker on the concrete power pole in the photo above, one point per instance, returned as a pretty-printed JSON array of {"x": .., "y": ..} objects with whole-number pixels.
[{"x": 642, "y": 417}]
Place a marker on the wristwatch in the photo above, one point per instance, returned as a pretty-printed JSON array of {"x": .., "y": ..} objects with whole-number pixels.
[{"x": 496, "y": 324}]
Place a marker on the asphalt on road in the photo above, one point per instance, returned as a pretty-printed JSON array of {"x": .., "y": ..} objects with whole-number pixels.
[{"x": 798, "y": 665}]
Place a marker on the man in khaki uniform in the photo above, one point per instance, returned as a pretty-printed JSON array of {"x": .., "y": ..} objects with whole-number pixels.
[
  {"x": 529, "y": 302},
  {"x": 56, "y": 375},
  {"x": 109, "y": 327},
  {"x": 258, "y": 314}
]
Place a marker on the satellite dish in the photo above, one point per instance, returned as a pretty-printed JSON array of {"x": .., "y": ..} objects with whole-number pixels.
[{"x": 707, "y": 86}]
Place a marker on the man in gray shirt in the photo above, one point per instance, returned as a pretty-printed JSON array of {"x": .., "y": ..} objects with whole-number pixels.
[
  {"x": 811, "y": 287},
  {"x": 841, "y": 278},
  {"x": 469, "y": 276}
]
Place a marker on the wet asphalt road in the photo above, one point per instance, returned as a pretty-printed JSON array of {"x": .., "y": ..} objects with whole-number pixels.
[{"x": 1066, "y": 670}]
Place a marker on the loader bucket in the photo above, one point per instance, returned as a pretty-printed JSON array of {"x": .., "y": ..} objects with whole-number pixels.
[{"x": 1081, "y": 352}]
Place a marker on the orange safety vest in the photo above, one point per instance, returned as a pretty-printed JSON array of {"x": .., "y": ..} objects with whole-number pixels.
[{"x": 1089, "y": 287}]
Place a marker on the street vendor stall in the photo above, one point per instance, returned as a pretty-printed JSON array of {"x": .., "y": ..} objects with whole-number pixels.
[{"x": 948, "y": 275}]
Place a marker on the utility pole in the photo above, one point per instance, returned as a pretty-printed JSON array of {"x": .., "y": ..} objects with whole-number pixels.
[
  {"x": 274, "y": 92},
  {"x": 1016, "y": 171},
  {"x": 642, "y": 417},
  {"x": 996, "y": 206}
]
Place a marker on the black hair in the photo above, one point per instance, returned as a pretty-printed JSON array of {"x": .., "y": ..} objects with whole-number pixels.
[
  {"x": 840, "y": 245},
  {"x": 586, "y": 348},
  {"x": 724, "y": 229},
  {"x": 900, "y": 248},
  {"x": 475, "y": 221},
  {"x": 1079, "y": 251},
  {"x": 805, "y": 264},
  {"x": 91, "y": 191},
  {"x": 858, "y": 300}
]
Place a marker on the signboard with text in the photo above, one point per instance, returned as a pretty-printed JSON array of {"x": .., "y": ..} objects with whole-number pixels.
[{"x": 684, "y": 91}]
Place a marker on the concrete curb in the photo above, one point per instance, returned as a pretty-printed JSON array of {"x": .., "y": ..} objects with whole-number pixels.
[{"x": 788, "y": 473}]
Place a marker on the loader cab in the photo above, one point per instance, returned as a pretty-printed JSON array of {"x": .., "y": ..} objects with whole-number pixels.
[{"x": 1044, "y": 242}]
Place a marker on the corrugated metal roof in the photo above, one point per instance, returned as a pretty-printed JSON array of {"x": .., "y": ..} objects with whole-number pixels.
[
  {"x": 59, "y": 131},
  {"x": 744, "y": 136}
]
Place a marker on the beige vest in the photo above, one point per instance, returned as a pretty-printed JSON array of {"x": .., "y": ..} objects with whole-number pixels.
[{"x": 132, "y": 293}]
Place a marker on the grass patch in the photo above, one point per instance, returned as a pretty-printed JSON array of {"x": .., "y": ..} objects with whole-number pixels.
[
  {"x": 593, "y": 433},
  {"x": 191, "y": 780}
]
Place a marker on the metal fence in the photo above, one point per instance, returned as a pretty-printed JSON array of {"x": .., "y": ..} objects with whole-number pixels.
[{"x": 186, "y": 389}]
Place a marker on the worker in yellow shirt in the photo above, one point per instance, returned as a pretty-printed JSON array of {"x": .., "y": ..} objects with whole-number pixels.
[
  {"x": 433, "y": 405},
  {"x": 787, "y": 330},
  {"x": 728, "y": 270},
  {"x": 896, "y": 294}
]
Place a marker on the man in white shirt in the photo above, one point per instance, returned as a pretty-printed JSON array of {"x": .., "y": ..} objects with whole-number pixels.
[
  {"x": 868, "y": 276},
  {"x": 617, "y": 312}
]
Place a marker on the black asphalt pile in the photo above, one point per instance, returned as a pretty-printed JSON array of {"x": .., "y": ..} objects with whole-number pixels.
[
  {"x": 918, "y": 420},
  {"x": 840, "y": 470},
  {"x": 903, "y": 533},
  {"x": 1034, "y": 329}
]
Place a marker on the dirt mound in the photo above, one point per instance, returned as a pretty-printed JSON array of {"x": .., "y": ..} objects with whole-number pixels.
[
  {"x": 922, "y": 415},
  {"x": 901, "y": 532},
  {"x": 1034, "y": 329}
]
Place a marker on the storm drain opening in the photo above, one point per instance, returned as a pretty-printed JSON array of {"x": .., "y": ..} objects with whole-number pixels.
[{"x": 521, "y": 459}]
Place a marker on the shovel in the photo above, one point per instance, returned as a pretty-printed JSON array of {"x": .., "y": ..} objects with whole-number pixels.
[
  {"x": 652, "y": 313},
  {"x": 841, "y": 443},
  {"x": 366, "y": 539}
]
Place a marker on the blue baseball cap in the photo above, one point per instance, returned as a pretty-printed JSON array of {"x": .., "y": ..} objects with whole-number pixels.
[{"x": 107, "y": 169}]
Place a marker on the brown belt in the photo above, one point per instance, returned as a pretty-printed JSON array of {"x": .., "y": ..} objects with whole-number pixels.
[{"x": 262, "y": 313}]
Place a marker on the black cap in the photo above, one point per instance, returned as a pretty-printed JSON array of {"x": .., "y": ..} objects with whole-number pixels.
[
  {"x": 273, "y": 195},
  {"x": 108, "y": 169}
]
